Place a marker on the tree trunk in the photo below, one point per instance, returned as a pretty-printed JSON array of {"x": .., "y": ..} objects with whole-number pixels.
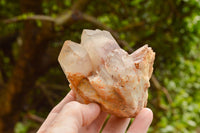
[{"x": 27, "y": 68}]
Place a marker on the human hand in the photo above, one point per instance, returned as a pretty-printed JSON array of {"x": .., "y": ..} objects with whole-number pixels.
[{"x": 70, "y": 116}]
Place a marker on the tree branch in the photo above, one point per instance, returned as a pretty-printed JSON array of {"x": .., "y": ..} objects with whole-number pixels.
[
  {"x": 131, "y": 26},
  {"x": 35, "y": 118},
  {"x": 30, "y": 17},
  {"x": 61, "y": 18},
  {"x": 80, "y": 5},
  {"x": 161, "y": 88},
  {"x": 46, "y": 94}
]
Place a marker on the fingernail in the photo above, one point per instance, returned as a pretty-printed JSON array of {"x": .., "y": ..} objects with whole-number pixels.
[{"x": 147, "y": 117}]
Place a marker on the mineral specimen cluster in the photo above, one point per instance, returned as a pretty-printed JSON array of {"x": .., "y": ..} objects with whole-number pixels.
[{"x": 100, "y": 71}]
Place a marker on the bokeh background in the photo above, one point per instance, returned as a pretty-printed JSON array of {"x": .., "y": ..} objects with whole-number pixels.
[{"x": 32, "y": 34}]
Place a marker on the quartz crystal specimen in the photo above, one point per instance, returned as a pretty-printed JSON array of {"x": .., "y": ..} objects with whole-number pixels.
[{"x": 100, "y": 71}]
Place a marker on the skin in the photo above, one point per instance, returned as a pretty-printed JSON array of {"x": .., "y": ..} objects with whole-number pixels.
[{"x": 70, "y": 116}]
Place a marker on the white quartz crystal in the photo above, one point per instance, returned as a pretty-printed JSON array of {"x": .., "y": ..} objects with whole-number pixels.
[
  {"x": 98, "y": 44},
  {"x": 100, "y": 71},
  {"x": 74, "y": 59}
]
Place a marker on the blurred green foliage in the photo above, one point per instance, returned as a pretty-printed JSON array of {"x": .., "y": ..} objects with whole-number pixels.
[
  {"x": 171, "y": 28},
  {"x": 20, "y": 128}
]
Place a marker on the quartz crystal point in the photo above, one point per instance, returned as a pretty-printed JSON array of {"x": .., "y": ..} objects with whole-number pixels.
[{"x": 100, "y": 71}]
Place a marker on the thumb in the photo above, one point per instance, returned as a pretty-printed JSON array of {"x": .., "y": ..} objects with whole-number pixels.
[{"x": 73, "y": 116}]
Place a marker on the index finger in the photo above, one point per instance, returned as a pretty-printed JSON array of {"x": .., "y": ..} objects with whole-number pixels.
[{"x": 68, "y": 98}]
